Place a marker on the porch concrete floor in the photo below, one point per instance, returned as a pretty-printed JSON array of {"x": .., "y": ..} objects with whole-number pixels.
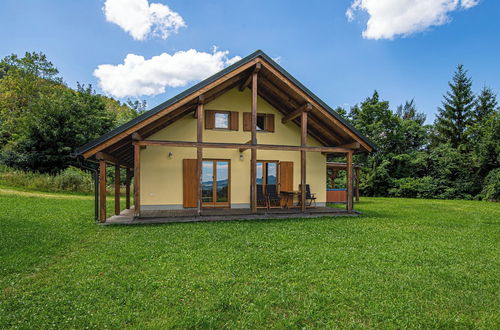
[{"x": 126, "y": 217}]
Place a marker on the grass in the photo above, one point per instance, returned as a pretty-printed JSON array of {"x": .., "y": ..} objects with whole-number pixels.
[{"x": 404, "y": 264}]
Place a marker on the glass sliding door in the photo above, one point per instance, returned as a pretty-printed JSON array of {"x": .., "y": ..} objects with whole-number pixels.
[
  {"x": 267, "y": 173},
  {"x": 207, "y": 182},
  {"x": 222, "y": 183},
  {"x": 272, "y": 173},
  {"x": 216, "y": 183}
]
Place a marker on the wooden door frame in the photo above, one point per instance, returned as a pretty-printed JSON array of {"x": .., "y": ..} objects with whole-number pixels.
[{"x": 215, "y": 204}]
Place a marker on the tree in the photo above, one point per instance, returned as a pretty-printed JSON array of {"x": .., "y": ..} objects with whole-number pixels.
[
  {"x": 409, "y": 111},
  {"x": 61, "y": 121},
  {"x": 23, "y": 81},
  {"x": 412, "y": 127},
  {"x": 486, "y": 105},
  {"x": 455, "y": 115},
  {"x": 374, "y": 119},
  {"x": 33, "y": 63}
]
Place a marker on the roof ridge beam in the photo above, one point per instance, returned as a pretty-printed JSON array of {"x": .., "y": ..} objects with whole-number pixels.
[{"x": 247, "y": 81}]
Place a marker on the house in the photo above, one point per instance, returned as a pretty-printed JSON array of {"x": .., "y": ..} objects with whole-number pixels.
[{"x": 225, "y": 143}]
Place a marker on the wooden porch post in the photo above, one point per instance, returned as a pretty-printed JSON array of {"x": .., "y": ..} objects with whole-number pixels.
[
  {"x": 117, "y": 189},
  {"x": 357, "y": 183},
  {"x": 102, "y": 191},
  {"x": 127, "y": 189},
  {"x": 253, "y": 165},
  {"x": 199, "y": 150},
  {"x": 303, "y": 157},
  {"x": 137, "y": 180},
  {"x": 349, "y": 181}
]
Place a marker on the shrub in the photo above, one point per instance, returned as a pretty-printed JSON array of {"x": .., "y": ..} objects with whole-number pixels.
[
  {"x": 71, "y": 179},
  {"x": 74, "y": 179},
  {"x": 424, "y": 187}
]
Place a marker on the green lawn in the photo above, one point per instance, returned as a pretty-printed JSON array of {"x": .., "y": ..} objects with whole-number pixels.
[{"x": 403, "y": 264}]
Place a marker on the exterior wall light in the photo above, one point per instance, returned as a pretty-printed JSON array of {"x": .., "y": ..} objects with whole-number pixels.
[
  {"x": 241, "y": 156},
  {"x": 170, "y": 155}
]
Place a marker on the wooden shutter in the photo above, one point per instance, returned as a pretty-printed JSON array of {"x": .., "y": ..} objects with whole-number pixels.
[
  {"x": 190, "y": 182},
  {"x": 234, "y": 120},
  {"x": 247, "y": 121},
  {"x": 269, "y": 122},
  {"x": 209, "y": 119},
  {"x": 286, "y": 178}
]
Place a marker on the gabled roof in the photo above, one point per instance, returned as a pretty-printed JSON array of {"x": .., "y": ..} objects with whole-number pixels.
[{"x": 250, "y": 59}]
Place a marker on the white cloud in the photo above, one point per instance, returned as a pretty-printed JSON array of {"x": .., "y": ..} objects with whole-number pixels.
[
  {"x": 391, "y": 18},
  {"x": 469, "y": 3},
  {"x": 141, "y": 19},
  {"x": 138, "y": 76}
]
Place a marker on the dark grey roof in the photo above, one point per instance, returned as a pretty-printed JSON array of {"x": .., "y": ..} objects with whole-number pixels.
[{"x": 206, "y": 82}]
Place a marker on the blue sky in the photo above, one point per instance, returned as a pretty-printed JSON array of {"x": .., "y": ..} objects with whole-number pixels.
[{"x": 314, "y": 41}]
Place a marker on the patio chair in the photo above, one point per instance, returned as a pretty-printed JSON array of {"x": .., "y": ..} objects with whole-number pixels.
[
  {"x": 261, "y": 197},
  {"x": 311, "y": 197},
  {"x": 273, "y": 197}
]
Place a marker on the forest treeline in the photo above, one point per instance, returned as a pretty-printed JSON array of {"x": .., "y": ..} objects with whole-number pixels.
[
  {"x": 42, "y": 121},
  {"x": 455, "y": 157}
]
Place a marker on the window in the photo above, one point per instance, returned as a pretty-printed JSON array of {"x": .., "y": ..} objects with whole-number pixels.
[
  {"x": 222, "y": 120},
  {"x": 261, "y": 122},
  {"x": 265, "y": 122}
]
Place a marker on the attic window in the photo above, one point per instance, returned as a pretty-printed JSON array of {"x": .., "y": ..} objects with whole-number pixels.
[
  {"x": 265, "y": 122},
  {"x": 261, "y": 122},
  {"x": 222, "y": 120}
]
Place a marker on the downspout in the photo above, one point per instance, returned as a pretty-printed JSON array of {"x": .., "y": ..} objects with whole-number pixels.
[{"x": 95, "y": 175}]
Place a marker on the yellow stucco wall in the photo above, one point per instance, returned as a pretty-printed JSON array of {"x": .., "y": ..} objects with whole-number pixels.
[{"x": 161, "y": 176}]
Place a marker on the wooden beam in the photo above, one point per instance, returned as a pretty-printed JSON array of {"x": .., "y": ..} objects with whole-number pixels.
[
  {"x": 303, "y": 159},
  {"x": 353, "y": 145},
  {"x": 318, "y": 133},
  {"x": 316, "y": 105},
  {"x": 110, "y": 159},
  {"x": 199, "y": 152},
  {"x": 303, "y": 129},
  {"x": 253, "y": 161},
  {"x": 117, "y": 189},
  {"x": 245, "y": 148},
  {"x": 127, "y": 189},
  {"x": 102, "y": 191},
  {"x": 137, "y": 137},
  {"x": 357, "y": 170},
  {"x": 254, "y": 107},
  {"x": 219, "y": 145},
  {"x": 137, "y": 180},
  {"x": 284, "y": 98},
  {"x": 201, "y": 100},
  {"x": 253, "y": 181},
  {"x": 305, "y": 108},
  {"x": 250, "y": 77},
  {"x": 172, "y": 107},
  {"x": 349, "y": 181}
]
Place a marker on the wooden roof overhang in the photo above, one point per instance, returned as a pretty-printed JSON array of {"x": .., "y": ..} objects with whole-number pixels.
[
  {"x": 275, "y": 86},
  {"x": 341, "y": 166}
]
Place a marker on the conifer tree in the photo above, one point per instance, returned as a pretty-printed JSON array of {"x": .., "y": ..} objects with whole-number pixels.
[
  {"x": 485, "y": 106},
  {"x": 455, "y": 115}
]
